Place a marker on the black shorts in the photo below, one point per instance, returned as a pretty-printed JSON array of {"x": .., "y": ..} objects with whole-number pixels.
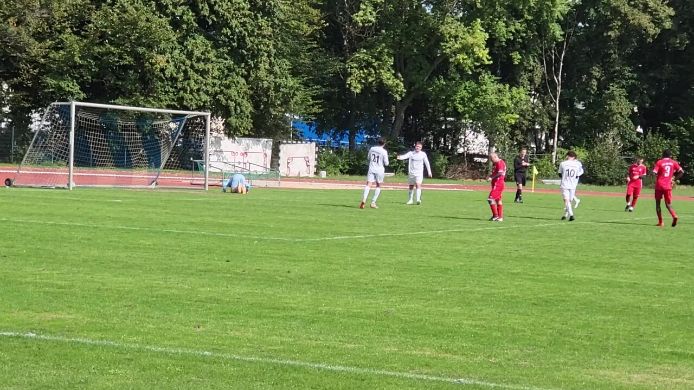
[{"x": 520, "y": 178}]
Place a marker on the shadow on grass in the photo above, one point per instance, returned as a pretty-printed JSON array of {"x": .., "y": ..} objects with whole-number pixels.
[{"x": 347, "y": 206}]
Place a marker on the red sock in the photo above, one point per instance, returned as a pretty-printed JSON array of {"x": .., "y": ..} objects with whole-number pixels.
[
  {"x": 633, "y": 202},
  {"x": 500, "y": 207},
  {"x": 494, "y": 210},
  {"x": 672, "y": 213}
]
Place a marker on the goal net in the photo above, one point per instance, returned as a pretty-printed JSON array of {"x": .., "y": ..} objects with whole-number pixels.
[{"x": 89, "y": 144}]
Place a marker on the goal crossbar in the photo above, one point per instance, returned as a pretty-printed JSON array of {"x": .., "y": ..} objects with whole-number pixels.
[{"x": 115, "y": 145}]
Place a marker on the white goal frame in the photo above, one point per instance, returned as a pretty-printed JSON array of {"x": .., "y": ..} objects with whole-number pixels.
[{"x": 74, "y": 104}]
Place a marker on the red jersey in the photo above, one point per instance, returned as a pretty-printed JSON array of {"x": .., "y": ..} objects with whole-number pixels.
[
  {"x": 664, "y": 170},
  {"x": 636, "y": 170},
  {"x": 499, "y": 169}
]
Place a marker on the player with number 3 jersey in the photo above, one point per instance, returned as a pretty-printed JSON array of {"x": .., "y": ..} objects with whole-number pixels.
[{"x": 666, "y": 170}]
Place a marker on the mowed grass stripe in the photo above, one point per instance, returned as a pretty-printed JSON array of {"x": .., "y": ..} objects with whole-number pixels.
[{"x": 596, "y": 303}]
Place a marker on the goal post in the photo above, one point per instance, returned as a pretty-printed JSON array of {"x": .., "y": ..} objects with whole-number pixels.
[{"x": 92, "y": 144}]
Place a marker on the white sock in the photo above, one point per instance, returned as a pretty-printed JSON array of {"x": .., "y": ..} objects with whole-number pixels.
[
  {"x": 569, "y": 209},
  {"x": 366, "y": 193},
  {"x": 377, "y": 192},
  {"x": 419, "y": 194}
]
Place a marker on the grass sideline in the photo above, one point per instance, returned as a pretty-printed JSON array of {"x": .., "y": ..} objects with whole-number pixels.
[{"x": 300, "y": 289}]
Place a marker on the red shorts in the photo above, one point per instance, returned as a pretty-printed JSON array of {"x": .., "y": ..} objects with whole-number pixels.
[
  {"x": 496, "y": 192},
  {"x": 660, "y": 193},
  {"x": 634, "y": 189}
]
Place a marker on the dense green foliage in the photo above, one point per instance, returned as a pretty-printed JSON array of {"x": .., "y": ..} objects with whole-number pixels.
[
  {"x": 519, "y": 71},
  {"x": 299, "y": 289}
]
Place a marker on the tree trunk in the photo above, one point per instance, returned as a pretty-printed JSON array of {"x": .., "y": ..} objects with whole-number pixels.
[
  {"x": 400, "y": 108},
  {"x": 399, "y": 119},
  {"x": 352, "y": 139},
  {"x": 556, "y": 129}
]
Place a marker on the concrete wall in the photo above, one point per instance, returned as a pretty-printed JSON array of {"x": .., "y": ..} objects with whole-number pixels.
[
  {"x": 252, "y": 154},
  {"x": 298, "y": 159}
]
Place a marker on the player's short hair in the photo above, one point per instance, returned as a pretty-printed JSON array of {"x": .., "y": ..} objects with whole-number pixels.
[
  {"x": 571, "y": 154},
  {"x": 667, "y": 153},
  {"x": 637, "y": 158},
  {"x": 523, "y": 148},
  {"x": 381, "y": 141},
  {"x": 419, "y": 143}
]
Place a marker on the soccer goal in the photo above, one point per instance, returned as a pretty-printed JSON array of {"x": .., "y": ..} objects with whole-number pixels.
[{"x": 90, "y": 144}]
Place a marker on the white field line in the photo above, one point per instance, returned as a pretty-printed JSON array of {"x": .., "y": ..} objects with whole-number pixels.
[
  {"x": 103, "y": 174},
  {"x": 495, "y": 226},
  {"x": 262, "y": 360}
]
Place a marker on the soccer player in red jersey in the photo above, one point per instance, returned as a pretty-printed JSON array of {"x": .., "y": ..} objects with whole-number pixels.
[
  {"x": 665, "y": 170},
  {"x": 635, "y": 173},
  {"x": 497, "y": 179}
]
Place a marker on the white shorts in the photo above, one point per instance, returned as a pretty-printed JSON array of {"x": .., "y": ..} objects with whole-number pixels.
[
  {"x": 568, "y": 193},
  {"x": 375, "y": 177},
  {"x": 412, "y": 179}
]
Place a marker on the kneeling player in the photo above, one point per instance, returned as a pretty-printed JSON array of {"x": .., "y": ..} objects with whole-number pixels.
[{"x": 236, "y": 184}]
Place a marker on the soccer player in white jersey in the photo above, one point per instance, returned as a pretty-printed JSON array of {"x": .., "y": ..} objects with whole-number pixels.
[
  {"x": 418, "y": 160},
  {"x": 378, "y": 161},
  {"x": 569, "y": 170}
]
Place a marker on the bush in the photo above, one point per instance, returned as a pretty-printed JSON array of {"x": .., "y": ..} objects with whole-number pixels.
[
  {"x": 604, "y": 164},
  {"x": 331, "y": 161},
  {"x": 683, "y": 130},
  {"x": 439, "y": 164},
  {"x": 343, "y": 162},
  {"x": 546, "y": 169},
  {"x": 652, "y": 146}
]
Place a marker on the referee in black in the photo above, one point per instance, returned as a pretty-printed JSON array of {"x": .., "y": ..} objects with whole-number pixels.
[{"x": 520, "y": 166}]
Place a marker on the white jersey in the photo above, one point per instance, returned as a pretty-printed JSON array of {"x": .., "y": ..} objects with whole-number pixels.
[
  {"x": 378, "y": 159},
  {"x": 417, "y": 162},
  {"x": 570, "y": 170}
]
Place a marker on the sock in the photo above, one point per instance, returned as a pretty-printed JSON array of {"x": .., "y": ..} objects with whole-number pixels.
[
  {"x": 409, "y": 195},
  {"x": 660, "y": 216},
  {"x": 366, "y": 193},
  {"x": 500, "y": 208},
  {"x": 628, "y": 197},
  {"x": 518, "y": 194},
  {"x": 419, "y": 194},
  {"x": 377, "y": 192},
  {"x": 673, "y": 214},
  {"x": 633, "y": 202},
  {"x": 494, "y": 210},
  {"x": 569, "y": 209}
]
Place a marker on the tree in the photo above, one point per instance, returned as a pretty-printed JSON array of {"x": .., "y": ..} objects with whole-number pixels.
[
  {"x": 412, "y": 41},
  {"x": 492, "y": 105},
  {"x": 232, "y": 58}
]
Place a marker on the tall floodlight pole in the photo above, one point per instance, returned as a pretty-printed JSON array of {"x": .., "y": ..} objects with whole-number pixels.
[{"x": 71, "y": 159}]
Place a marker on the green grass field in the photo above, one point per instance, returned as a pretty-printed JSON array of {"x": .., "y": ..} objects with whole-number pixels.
[{"x": 300, "y": 289}]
